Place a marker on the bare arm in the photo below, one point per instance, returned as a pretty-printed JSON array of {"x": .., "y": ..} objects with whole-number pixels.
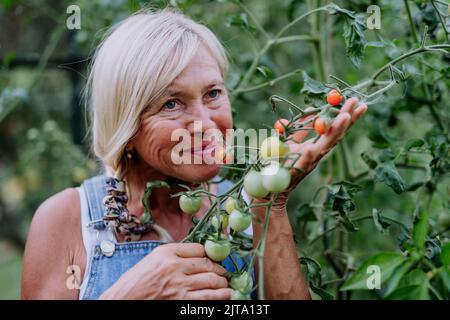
[
  {"x": 282, "y": 274},
  {"x": 54, "y": 243},
  {"x": 283, "y": 278}
]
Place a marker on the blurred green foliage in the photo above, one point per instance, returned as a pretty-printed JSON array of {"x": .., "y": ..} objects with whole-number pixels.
[{"x": 398, "y": 154}]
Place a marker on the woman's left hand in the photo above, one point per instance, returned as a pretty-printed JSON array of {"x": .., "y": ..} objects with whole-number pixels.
[{"x": 311, "y": 153}]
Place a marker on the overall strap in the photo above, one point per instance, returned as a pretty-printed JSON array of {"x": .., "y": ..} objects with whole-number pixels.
[
  {"x": 95, "y": 189},
  {"x": 224, "y": 186}
]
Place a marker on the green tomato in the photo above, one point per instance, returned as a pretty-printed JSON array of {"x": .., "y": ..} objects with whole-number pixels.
[
  {"x": 238, "y": 295},
  {"x": 253, "y": 185},
  {"x": 217, "y": 251},
  {"x": 243, "y": 282},
  {"x": 273, "y": 148},
  {"x": 223, "y": 217},
  {"x": 230, "y": 204},
  {"x": 189, "y": 204},
  {"x": 239, "y": 221},
  {"x": 275, "y": 178}
]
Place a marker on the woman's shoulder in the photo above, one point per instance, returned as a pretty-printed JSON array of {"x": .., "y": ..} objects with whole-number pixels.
[
  {"x": 54, "y": 243},
  {"x": 60, "y": 209}
]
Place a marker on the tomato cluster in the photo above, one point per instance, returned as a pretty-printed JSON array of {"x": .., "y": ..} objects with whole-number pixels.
[{"x": 267, "y": 177}]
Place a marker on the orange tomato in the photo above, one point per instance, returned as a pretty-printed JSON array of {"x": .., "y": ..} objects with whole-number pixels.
[
  {"x": 224, "y": 157},
  {"x": 280, "y": 125},
  {"x": 321, "y": 126},
  {"x": 334, "y": 97}
]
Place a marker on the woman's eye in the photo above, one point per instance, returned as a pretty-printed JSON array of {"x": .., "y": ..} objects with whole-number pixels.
[
  {"x": 213, "y": 93},
  {"x": 170, "y": 105}
]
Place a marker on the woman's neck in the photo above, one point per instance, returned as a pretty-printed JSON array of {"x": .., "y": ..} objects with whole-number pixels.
[{"x": 160, "y": 198}]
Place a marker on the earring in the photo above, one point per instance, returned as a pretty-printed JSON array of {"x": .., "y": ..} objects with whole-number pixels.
[{"x": 129, "y": 154}]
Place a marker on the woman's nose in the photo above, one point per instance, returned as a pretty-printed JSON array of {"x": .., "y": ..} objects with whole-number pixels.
[{"x": 200, "y": 117}]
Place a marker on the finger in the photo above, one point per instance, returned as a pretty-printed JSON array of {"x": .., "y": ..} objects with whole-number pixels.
[
  {"x": 349, "y": 105},
  {"x": 336, "y": 132},
  {"x": 359, "y": 111},
  {"x": 210, "y": 294},
  {"x": 189, "y": 250},
  {"x": 206, "y": 280},
  {"x": 299, "y": 136},
  {"x": 200, "y": 265},
  {"x": 339, "y": 126},
  {"x": 306, "y": 159}
]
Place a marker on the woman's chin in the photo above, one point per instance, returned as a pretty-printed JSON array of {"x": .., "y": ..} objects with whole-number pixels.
[{"x": 198, "y": 172}]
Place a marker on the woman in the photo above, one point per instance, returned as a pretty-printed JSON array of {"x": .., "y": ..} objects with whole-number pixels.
[{"x": 153, "y": 73}]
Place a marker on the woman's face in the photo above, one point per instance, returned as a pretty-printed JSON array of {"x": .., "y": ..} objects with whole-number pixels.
[{"x": 197, "y": 95}]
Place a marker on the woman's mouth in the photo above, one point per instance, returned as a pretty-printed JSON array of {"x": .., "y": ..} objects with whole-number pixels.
[{"x": 206, "y": 149}]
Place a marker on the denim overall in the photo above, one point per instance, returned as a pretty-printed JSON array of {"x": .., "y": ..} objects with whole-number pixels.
[{"x": 104, "y": 267}]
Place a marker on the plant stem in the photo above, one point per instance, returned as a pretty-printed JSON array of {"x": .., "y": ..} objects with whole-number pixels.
[
  {"x": 252, "y": 16},
  {"x": 262, "y": 247},
  {"x": 408, "y": 54},
  {"x": 305, "y": 37},
  {"x": 354, "y": 220},
  {"x": 441, "y": 21},
  {"x": 268, "y": 83},
  {"x": 411, "y": 22},
  {"x": 268, "y": 45},
  {"x": 424, "y": 85}
]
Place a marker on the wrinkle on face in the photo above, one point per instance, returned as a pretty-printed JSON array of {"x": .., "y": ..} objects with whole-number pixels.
[{"x": 191, "y": 90}]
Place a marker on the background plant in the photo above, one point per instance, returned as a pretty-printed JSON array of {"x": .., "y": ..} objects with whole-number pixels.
[{"x": 380, "y": 198}]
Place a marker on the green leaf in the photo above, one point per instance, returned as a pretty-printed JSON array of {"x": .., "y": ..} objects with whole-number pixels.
[
  {"x": 386, "y": 156},
  {"x": 420, "y": 228},
  {"x": 347, "y": 223},
  {"x": 380, "y": 223},
  {"x": 413, "y": 286},
  {"x": 354, "y": 39},
  {"x": 397, "y": 275},
  {"x": 414, "y": 143},
  {"x": 241, "y": 20},
  {"x": 386, "y": 261},
  {"x": 265, "y": 71},
  {"x": 314, "y": 277},
  {"x": 387, "y": 172},
  {"x": 325, "y": 295},
  {"x": 377, "y": 134},
  {"x": 371, "y": 163},
  {"x": 311, "y": 86},
  {"x": 340, "y": 198},
  {"x": 147, "y": 216},
  {"x": 354, "y": 27},
  {"x": 445, "y": 254}
]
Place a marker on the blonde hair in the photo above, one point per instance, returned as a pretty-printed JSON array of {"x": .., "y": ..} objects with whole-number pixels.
[{"x": 135, "y": 62}]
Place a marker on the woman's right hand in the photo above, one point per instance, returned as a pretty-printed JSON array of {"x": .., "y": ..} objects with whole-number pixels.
[{"x": 178, "y": 271}]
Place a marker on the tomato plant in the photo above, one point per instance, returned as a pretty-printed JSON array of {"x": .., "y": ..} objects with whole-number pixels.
[
  {"x": 230, "y": 204},
  {"x": 334, "y": 97},
  {"x": 190, "y": 204},
  {"x": 217, "y": 250},
  {"x": 275, "y": 178},
  {"x": 280, "y": 125},
  {"x": 239, "y": 221},
  {"x": 273, "y": 148},
  {"x": 253, "y": 185},
  {"x": 242, "y": 282},
  {"x": 321, "y": 125}
]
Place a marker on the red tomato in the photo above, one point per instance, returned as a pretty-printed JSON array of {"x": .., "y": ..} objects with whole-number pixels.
[
  {"x": 334, "y": 97},
  {"x": 280, "y": 125},
  {"x": 321, "y": 126}
]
